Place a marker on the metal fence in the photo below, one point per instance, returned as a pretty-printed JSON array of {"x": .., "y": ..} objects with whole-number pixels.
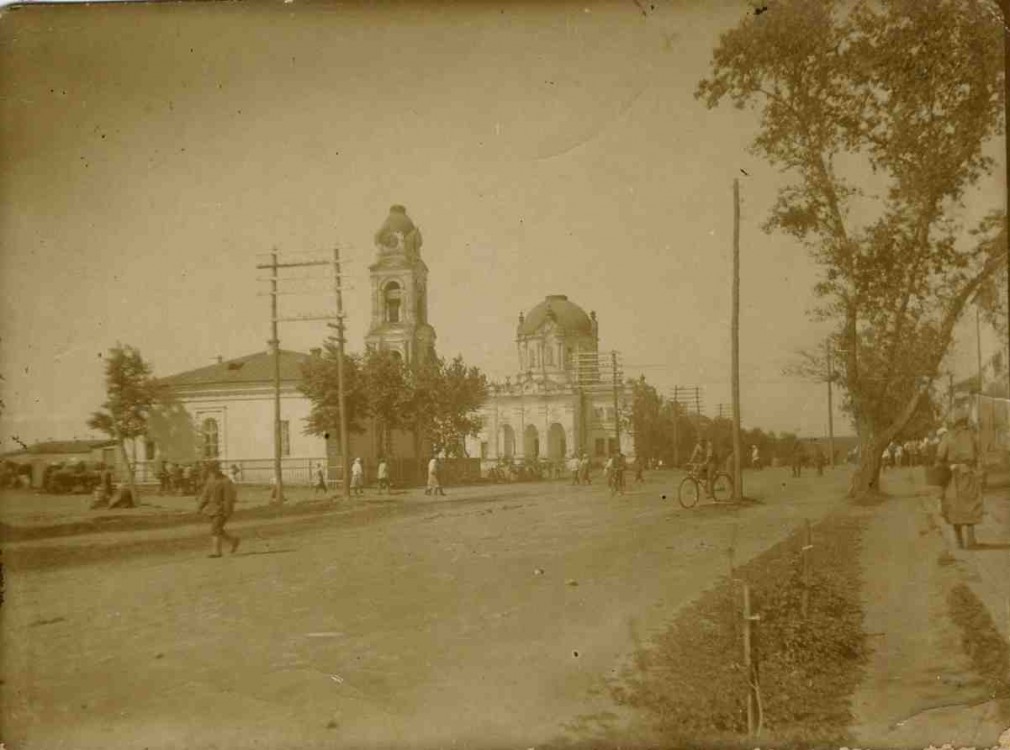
[
  {"x": 242, "y": 471},
  {"x": 403, "y": 472}
]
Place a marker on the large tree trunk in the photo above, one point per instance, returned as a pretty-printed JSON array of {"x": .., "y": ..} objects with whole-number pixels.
[
  {"x": 866, "y": 479},
  {"x": 134, "y": 497},
  {"x": 872, "y": 443}
]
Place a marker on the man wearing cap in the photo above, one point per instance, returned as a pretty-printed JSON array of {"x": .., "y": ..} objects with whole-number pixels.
[
  {"x": 963, "y": 509},
  {"x": 217, "y": 500}
]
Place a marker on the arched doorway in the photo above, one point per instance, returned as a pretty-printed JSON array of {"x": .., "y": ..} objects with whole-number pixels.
[
  {"x": 556, "y": 449},
  {"x": 531, "y": 442},
  {"x": 508, "y": 441}
]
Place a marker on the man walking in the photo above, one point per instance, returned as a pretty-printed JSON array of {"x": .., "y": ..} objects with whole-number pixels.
[
  {"x": 383, "y": 475},
  {"x": 357, "y": 477},
  {"x": 434, "y": 486},
  {"x": 217, "y": 500},
  {"x": 962, "y": 509},
  {"x": 320, "y": 479},
  {"x": 575, "y": 467}
]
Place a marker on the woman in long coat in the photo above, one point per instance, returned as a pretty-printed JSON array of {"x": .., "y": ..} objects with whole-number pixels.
[{"x": 962, "y": 506}]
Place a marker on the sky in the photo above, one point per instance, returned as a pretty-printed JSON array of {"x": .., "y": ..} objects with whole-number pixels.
[{"x": 153, "y": 154}]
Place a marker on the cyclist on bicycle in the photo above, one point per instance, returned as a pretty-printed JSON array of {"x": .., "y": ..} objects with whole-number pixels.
[{"x": 698, "y": 454}]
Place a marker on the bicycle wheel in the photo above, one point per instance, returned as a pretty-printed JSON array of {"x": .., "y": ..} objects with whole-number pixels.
[
  {"x": 688, "y": 492},
  {"x": 722, "y": 488}
]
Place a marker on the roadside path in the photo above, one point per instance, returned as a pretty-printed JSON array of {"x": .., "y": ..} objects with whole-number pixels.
[{"x": 920, "y": 688}]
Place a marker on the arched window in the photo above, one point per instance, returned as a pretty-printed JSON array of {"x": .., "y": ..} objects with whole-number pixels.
[
  {"x": 210, "y": 444},
  {"x": 548, "y": 355},
  {"x": 392, "y": 296}
]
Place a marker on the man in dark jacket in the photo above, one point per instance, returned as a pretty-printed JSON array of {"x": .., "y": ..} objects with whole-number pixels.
[{"x": 218, "y": 501}]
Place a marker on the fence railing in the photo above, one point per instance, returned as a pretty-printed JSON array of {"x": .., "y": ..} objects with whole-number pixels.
[{"x": 242, "y": 471}]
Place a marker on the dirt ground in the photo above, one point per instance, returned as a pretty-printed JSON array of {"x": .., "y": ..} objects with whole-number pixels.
[{"x": 487, "y": 618}]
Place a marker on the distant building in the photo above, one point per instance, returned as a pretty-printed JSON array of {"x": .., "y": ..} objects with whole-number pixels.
[
  {"x": 43, "y": 454},
  {"x": 553, "y": 407}
]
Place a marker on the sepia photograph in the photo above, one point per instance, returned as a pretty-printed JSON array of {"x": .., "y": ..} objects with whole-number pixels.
[{"x": 583, "y": 374}]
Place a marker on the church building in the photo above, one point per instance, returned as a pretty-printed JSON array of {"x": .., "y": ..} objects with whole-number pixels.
[{"x": 559, "y": 403}]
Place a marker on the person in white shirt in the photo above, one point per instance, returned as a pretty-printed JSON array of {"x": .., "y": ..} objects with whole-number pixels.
[
  {"x": 434, "y": 486},
  {"x": 358, "y": 477}
]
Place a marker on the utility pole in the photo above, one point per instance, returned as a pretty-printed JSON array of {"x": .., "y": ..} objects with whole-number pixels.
[
  {"x": 275, "y": 342},
  {"x": 617, "y": 409},
  {"x": 978, "y": 342},
  {"x": 676, "y": 418},
  {"x": 274, "y": 267},
  {"x": 831, "y": 409},
  {"x": 345, "y": 455},
  {"x": 737, "y": 449}
]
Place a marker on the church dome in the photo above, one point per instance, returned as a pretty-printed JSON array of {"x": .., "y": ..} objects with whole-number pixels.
[
  {"x": 396, "y": 223},
  {"x": 567, "y": 315}
]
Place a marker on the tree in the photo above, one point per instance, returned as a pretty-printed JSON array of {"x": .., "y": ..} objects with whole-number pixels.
[
  {"x": 647, "y": 420},
  {"x": 320, "y": 385},
  {"x": 130, "y": 395},
  {"x": 905, "y": 95},
  {"x": 388, "y": 388},
  {"x": 445, "y": 401}
]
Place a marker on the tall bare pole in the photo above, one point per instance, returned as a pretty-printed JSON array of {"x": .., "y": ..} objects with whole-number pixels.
[
  {"x": 617, "y": 410},
  {"x": 737, "y": 448},
  {"x": 978, "y": 342},
  {"x": 831, "y": 408},
  {"x": 676, "y": 417},
  {"x": 275, "y": 342},
  {"x": 345, "y": 454}
]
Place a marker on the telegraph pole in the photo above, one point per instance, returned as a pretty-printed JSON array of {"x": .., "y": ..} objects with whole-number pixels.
[
  {"x": 676, "y": 418},
  {"x": 617, "y": 410},
  {"x": 345, "y": 449},
  {"x": 275, "y": 342},
  {"x": 737, "y": 478},
  {"x": 274, "y": 267}
]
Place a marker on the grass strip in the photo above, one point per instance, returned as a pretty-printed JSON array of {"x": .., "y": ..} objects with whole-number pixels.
[
  {"x": 690, "y": 682},
  {"x": 981, "y": 640}
]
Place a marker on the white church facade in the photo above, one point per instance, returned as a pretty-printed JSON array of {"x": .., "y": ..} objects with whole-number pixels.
[{"x": 555, "y": 406}]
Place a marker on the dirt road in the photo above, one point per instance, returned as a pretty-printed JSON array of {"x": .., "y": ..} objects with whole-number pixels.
[{"x": 430, "y": 627}]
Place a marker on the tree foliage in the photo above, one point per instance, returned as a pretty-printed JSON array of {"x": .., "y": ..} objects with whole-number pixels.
[
  {"x": 446, "y": 399},
  {"x": 881, "y": 114},
  {"x": 437, "y": 399},
  {"x": 130, "y": 394},
  {"x": 319, "y": 384}
]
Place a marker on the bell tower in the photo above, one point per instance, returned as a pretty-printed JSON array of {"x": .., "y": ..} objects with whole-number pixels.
[{"x": 400, "y": 291}]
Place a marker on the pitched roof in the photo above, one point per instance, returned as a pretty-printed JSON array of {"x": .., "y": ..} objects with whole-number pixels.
[
  {"x": 62, "y": 447},
  {"x": 252, "y": 368}
]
